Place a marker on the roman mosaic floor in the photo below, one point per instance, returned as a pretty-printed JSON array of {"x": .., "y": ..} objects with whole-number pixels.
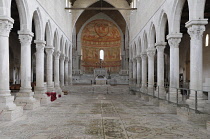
[{"x": 100, "y": 116}]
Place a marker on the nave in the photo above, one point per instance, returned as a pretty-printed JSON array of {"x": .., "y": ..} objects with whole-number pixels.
[{"x": 98, "y": 115}]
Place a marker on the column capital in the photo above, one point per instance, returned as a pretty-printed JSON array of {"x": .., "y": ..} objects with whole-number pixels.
[
  {"x": 57, "y": 54},
  {"x": 144, "y": 56},
  {"x": 40, "y": 45},
  {"x": 151, "y": 52},
  {"x": 160, "y": 46},
  {"x": 134, "y": 59},
  {"x": 25, "y": 37},
  {"x": 138, "y": 58},
  {"x": 174, "y": 40},
  {"x": 6, "y": 24},
  {"x": 49, "y": 50},
  {"x": 66, "y": 59},
  {"x": 62, "y": 57}
]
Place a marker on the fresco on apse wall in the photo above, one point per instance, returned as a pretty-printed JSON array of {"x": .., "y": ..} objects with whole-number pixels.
[{"x": 99, "y": 35}]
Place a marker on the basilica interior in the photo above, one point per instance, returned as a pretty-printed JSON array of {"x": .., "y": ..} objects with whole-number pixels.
[{"x": 104, "y": 69}]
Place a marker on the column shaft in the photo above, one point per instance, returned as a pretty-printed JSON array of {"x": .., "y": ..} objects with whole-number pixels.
[
  {"x": 138, "y": 71},
  {"x": 62, "y": 58},
  {"x": 134, "y": 71},
  {"x": 50, "y": 50},
  {"x": 144, "y": 70},
  {"x": 151, "y": 54},
  {"x": 66, "y": 71}
]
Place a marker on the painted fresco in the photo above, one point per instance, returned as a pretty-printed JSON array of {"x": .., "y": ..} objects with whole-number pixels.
[{"x": 99, "y": 35}]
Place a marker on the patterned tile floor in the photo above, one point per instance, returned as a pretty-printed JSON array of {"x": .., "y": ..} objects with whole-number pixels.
[{"x": 99, "y": 116}]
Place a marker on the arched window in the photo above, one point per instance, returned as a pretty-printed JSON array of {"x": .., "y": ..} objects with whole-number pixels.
[
  {"x": 207, "y": 40},
  {"x": 102, "y": 54}
]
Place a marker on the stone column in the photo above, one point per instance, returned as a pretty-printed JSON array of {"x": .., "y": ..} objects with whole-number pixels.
[
  {"x": 195, "y": 30},
  {"x": 134, "y": 70},
  {"x": 25, "y": 96},
  {"x": 130, "y": 72},
  {"x": 70, "y": 72},
  {"x": 56, "y": 72},
  {"x": 8, "y": 109},
  {"x": 62, "y": 58},
  {"x": 40, "y": 90},
  {"x": 174, "y": 40},
  {"x": 151, "y": 55},
  {"x": 138, "y": 58},
  {"x": 160, "y": 68},
  {"x": 66, "y": 64},
  {"x": 144, "y": 71},
  {"x": 50, "y": 50}
]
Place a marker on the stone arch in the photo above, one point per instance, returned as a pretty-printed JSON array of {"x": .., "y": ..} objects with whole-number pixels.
[
  {"x": 38, "y": 25},
  {"x": 56, "y": 43},
  {"x": 66, "y": 49},
  {"x": 162, "y": 27},
  {"x": 62, "y": 47},
  {"x": 23, "y": 14},
  {"x": 176, "y": 15},
  {"x": 48, "y": 33},
  {"x": 152, "y": 36},
  {"x": 144, "y": 42}
]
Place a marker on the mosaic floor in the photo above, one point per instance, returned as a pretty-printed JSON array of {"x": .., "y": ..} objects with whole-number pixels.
[{"x": 99, "y": 116}]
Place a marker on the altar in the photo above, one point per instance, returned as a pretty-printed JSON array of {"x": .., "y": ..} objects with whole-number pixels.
[{"x": 100, "y": 76}]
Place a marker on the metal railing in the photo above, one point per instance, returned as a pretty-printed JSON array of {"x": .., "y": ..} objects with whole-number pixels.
[{"x": 177, "y": 96}]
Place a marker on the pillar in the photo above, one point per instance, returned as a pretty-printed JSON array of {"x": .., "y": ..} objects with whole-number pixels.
[
  {"x": 195, "y": 30},
  {"x": 134, "y": 70},
  {"x": 174, "y": 40},
  {"x": 160, "y": 68},
  {"x": 50, "y": 50},
  {"x": 40, "y": 90},
  {"x": 25, "y": 97},
  {"x": 130, "y": 72},
  {"x": 66, "y": 65},
  {"x": 70, "y": 71},
  {"x": 151, "y": 72},
  {"x": 62, "y": 58},
  {"x": 138, "y": 58},
  {"x": 144, "y": 71},
  {"x": 8, "y": 109},
  {"x": 56, "y": 73}
]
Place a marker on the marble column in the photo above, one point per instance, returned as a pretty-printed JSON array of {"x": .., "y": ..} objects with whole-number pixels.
[
  {"x": 138, "y": 58},
  {"x": 62, "y": 58},
  {"x": 25, "y": 97},
  {"x": 151, "y": 72},
  {"x": 134, "y": 71},
  {"x": 66, "y": 65},
  {"x": 174, "y": 40},
  {"x": 8, "y": 109},
  {"x": 144, "y": 71},
  {"x": 50, "y": 50},
  {"x": 130, "y": 72},
  {"x": 160, "y": 68},
  {"x": 70, "y": 72},
  {"x": 56, "y": 72},
  {"x": 40, "y": 90},
  {"x": 195, "y": 30}
]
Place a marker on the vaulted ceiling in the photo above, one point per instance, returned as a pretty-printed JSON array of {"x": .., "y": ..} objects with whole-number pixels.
[{"x": 129, "y": 1}]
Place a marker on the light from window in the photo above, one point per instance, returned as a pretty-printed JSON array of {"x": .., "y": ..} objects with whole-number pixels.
[
  {"x": 207, "y": 40},
  {"x": 102, "y": 54}
]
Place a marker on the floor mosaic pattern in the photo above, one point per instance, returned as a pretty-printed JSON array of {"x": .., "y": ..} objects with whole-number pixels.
[{"x": 100, "y": 116}]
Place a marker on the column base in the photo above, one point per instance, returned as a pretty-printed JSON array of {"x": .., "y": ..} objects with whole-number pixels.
[
  {"x": 162, "y": 93},
  {"x": 40, "y": 94},
  {"x": 59, "y": 91},
  {"x": 27, "y": 101},
  {"x": 173, "y": 97},
  {"x": 9, "y": 115},
  {"x": 8, "y": 110}
]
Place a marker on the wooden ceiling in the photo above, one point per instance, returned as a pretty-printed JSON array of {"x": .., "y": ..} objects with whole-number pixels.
[{"x": 73, "y": 1}]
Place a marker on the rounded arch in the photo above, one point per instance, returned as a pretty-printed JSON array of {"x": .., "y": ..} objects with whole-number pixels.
[
  {"x": 144, "y": 42},
  {"x": 48, "y": 33},
  {"x": 56, "y": 43},
  {"x": 152, "y": 36},
  {"x": 38, "y": 25},
  {"x": 62, "y": 46},
  {"x": 162, "y": 26},
  {"x": 176, "y": 15},
  {"x": 23, "y": 13}
]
